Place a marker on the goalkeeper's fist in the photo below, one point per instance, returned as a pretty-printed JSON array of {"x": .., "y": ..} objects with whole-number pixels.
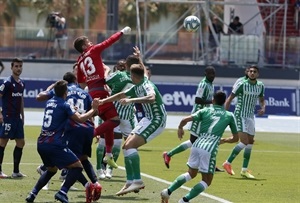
[{"x": 126, "y": 30}]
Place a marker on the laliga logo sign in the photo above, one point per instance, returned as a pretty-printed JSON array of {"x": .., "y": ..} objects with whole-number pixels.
[{"x": 31, "y": 93}]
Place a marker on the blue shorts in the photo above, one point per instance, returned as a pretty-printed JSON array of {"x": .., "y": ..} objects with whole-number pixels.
[
  {"x": 12, "y": 128},
  {"x": 56, "y": 155},
  {"x": 80, "y": 140}
]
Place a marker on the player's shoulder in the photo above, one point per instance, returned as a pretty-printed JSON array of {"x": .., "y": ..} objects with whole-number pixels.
[
  {"x": 259, "y": 82},
  {"x": 114, "y": 75}
]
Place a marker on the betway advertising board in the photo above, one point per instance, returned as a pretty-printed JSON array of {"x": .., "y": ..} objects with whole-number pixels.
[{"x": 181, "y": 97}]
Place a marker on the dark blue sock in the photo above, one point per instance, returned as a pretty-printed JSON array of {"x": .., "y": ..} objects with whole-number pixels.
[
  {"x": 43, "y": 180},
  {"x": 71, "y": 178},
  {"x": 82, "y": 179},
  {"x": 88, "y": 167},
  {"x": 1, "y": 156},
  {"x": 17, "y": 158},
  {"x": 43, "y": 167}
]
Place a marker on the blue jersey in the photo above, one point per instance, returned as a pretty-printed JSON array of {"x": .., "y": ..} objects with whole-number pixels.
[
  {"x": 12, "y": 97},
  {"x": 56, "y": 115},
  {"x": 82, "y": 102}
]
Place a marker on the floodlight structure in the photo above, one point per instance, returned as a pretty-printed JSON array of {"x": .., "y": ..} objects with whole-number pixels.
[{"x": 204, "y": 6}]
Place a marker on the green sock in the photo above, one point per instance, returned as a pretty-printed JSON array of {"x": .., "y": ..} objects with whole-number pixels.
[
  {"x": 195, "y": 191},
  {"x": 116, "y": 152},
  {"x": 180, "y": 180},
  {"x": 135, "y": 160},
  {"x": 99, "y": 156},
  {"x": 180, "y": 148},
  {"x": 128, "y": 167},
  {"x": 247, "y": 154},
  {"x": 236, "y": 150}
]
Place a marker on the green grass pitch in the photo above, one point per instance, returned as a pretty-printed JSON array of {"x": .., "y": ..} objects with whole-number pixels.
[{"x": 275, "y": 162}]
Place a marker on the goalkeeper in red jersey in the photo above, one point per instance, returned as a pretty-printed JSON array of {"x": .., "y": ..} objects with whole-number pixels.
[{"x": 91, "y": 73}]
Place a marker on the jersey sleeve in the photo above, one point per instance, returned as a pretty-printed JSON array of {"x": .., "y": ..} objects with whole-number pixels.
[
  {"x": 108, "y": 42},
  {"x": 197, "y": 116},
  {"x": 201, "y": 91},
  {"x": 3, "y": 87},
  {"x": 130, "y": 92},
  {"x": 238, "y": 88},
  {"x": 262, "y": 93},
  {"x": 149, "y": 89}
]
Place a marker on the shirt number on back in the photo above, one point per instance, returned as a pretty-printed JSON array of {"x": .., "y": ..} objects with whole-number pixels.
[
  {"x": 87, "y": 66},
  {"x": 48, "y": 118}
]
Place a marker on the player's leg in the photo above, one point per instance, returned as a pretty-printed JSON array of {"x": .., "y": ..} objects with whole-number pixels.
[
  {"x": 18, "y": 150},
  {"x": 118, "y": 139},
  {"x": 47, "y": 154},
  {"x": 207, "y": 164},
  {"x": 70, "y": 161},
  {"x": 247, "y": 152},
  {"x": 241, "y": 124},
  {"x": 100, "y": 153},
  {"x": 144, "y": 132},
  {"x": 193, "y": 164},
  {"x": 3, "y": 143},
  {"x": 194, "y": 129},
  {"x": 111, "y": 120}
]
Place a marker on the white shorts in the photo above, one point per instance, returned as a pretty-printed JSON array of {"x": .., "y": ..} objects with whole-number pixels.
[
  {"x": 202, "y": 160},
  {"x": 126, "y": 126},
  {"x": 149, "y": 129},
  {"x": 60, "y": 43},
  {"x": 246, "y": 125}
]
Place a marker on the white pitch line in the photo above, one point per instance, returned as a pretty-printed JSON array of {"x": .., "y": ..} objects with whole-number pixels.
[
  {"x": 183, "y": 187},
  {"x": 159, "y": 180}
]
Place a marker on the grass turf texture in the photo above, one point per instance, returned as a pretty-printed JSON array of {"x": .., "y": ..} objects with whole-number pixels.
[{"x": 274, "y": 162}]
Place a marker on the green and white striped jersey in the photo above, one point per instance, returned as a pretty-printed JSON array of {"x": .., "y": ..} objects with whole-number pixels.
[
  {"x": 247, "y": 95},
  {"x": 152, "y": 110},
  {"x": 241, "y": 79},
  {"x": 213, "y": 122},
  {"x": 205, "y": 91},
  {"x": 120, "y": 81}
]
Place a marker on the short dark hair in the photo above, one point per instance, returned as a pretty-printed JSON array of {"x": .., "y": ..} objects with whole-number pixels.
[
  {"x": 138, "y": 70},
  {"x": 16, "y": 60},
  {"x": 69, "y": 77},
  {"x": 237, "y": 18},
  {"x": 60, "y": 88},
  {"x": 254, "y": 66},
  {"x": 120, "y": 65},
  {"x": 219, "y": 97},
  {"x": 132, "y": 59},
  {"x": 79, "y": 42}
]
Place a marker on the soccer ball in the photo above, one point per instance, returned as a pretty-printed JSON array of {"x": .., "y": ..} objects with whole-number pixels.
[{"x": 191, "y": 23}]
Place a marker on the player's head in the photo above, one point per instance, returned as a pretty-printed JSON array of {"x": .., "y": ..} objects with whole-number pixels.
[
  {"x": 210, "y": 73},
  {"x": 17, "y": 66},
  {"x": 253, "y": 72},
  {"x": 137, "y": 73},
  {"x": 70, "y": 77},
  {"x": 131, "y": 59},
  {"x": 60, "y": 88},
  {"x": 236, "y": 19},
  {"x": 246, "y": 71},
  {"x": 219, "y": 98},
  {"x": 82, "y": 43},
  {"x": 120, "y": 65}
]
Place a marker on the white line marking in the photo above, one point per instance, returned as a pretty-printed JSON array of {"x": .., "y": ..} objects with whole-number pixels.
[{"x": 156, "y": 179}]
